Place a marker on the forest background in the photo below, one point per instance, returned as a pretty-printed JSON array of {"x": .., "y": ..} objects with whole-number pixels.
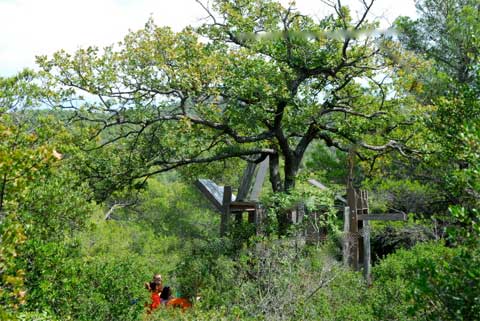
[{"x": 100, "y": 149}]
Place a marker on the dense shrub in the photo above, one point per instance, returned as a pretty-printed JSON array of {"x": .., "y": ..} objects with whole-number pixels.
[
  {"x": 273, "y": 280},
  {"x": 387, "y": 239},
  {"x": 91, "y": 289},
  {"x": 428, "y": 282},
  {"x": 207, "y": 270}
]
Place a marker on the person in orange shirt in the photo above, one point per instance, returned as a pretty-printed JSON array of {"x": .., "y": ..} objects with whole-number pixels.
[
  {"x": 155, "y": 297},
  {"x": 157, "y": 279}
]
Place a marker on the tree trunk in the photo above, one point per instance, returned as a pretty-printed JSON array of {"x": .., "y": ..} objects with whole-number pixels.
[
  {"x": 275, "y": 178},
  {"x": 290, "y": 170}
]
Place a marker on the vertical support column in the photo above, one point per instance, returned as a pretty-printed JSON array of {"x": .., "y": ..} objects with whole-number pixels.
[
  {"x": 353, "y": 232},
  {"x": 366, "y": 252},
  {"x": 352, "y": 204},
  {"x": 359, "y": 198},
  {"x": 259, "y": 218},
  {"x": 365, "y": 237},
  {"x": 251, "y": 216},
  {"x": 238, "y": 217},
  {"x": 346, "y": 236},
  {"x": 227, "y": 200}
]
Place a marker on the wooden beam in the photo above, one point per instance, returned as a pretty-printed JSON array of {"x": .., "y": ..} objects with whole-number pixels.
[
  {"x": 259, "y": 179},
  {"x": 246, "y": 181},
  {"x": 205, "y": 186},
  {"x": 242, "y": 206},
  {"x": 383, "y": 217},
  {"x": 212, "y": 192}
]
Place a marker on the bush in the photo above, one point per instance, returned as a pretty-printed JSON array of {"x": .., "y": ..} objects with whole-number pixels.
[
  {"x": 389, "y": 238},
  {"x": 273, "y": 280},
  {"x": 428, "y": 282},
  {"x": 87, "y": 290},
  {"x": 209, "y": 270}
]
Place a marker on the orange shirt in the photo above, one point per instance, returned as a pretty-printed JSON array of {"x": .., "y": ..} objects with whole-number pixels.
[{"x": 155, "y": 301}]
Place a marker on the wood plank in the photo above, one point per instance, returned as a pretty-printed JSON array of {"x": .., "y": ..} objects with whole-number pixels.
[
  {"x": 242, "y": 206},
  {"x": 246, "y": 181},
  {"x": 207, "y": 192},
  {"x": 259, "y": 179},
  {"x": 383, "y": 217}
]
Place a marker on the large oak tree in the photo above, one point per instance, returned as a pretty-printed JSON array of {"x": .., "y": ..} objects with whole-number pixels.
[{"x": 256, "y": 80}]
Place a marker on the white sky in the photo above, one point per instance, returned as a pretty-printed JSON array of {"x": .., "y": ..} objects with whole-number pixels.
[{"x": 36, "y": 27}]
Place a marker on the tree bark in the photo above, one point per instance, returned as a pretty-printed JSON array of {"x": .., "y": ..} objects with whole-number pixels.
[{"x": 275, "y": 178}]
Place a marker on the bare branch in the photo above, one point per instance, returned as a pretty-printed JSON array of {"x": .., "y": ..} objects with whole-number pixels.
[{"x": 365, "y": 13}]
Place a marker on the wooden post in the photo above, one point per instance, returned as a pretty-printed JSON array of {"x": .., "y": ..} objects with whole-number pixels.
[
  {"x": 346, "y": 236},
  {"x": 352, "y": 204},
  {"x": 238, "y": 217},
  {"x": 366, "y": 252},
  {"x": 259, "y": 218},
  {"x": 365, "y": 218},
  {"x": 362, "y": 209},
  {"x": 251, "y": 216},
  {"x": 227, "y": 200},
  {"x": 353, "y": 232}
]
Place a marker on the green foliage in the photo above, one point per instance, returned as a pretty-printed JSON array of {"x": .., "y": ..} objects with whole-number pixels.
[
  {"x": 170, "y": 99},
  {"x": 449, "y": 289},
  {"x": 327, "y": 163},
  {"x": 29, "y": 165},
  {"x": 117, "y": 239},
  {"x": 75, "y": 288},
  {"x": 12, "y": 278},
  {"x": 207, "y": 269},
  {"x": 273, "y": 281},
  {"x": 171, "y": 206},
  {"x": 428, "y": 282},
  {"x": 403, "y": 194},
  {"x": 388, "y": 238},
  {"x": 464, "y": 226},
  {"x": 396, "y": 279},
  {"x": 35, "y": 316},
  {"x": 306, "y": 198},
  {"x": 163, "y": 100},
  {"x": 446, "y": 34}
]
